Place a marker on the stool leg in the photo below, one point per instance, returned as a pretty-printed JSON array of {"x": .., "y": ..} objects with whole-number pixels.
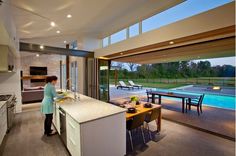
[
  {"x": 142, "y": 135},
  {"x": 150, "y": 135},
  {"x": 131, "y": 142}
]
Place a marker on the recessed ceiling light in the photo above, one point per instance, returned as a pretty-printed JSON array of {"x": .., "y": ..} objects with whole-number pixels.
[
  {"x": 52, "y": 24},
  {"x": 64, "y": 41},
  {"x": 171, "y": 42},
  {"x": 69, "y": 16},
  {"x": 58, "y": 31},
  {"x": 37, "y": 55},
  {"x": 41, "y": 47}
]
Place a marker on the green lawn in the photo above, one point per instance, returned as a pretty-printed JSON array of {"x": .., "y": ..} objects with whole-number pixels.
[
  {"x": 157, "y": 85},
  {"x": 161, "y": 85}
]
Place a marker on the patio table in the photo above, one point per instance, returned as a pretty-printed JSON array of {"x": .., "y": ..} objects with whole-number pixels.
[{"x": 172, "y": 94}]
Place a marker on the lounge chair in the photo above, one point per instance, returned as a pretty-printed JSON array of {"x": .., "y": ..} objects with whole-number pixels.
[
  {"x": 214, "y": 88},
  {"x": 195, "y": 102},
  {"x": 123, "y": 85},
  {"x": 135, "y": 85}
]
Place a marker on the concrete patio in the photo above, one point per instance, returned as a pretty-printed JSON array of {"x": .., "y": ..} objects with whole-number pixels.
[{"x": 217, "y": 121}]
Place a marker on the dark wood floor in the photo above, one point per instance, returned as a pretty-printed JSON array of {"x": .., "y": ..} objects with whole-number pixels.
[{"x": 26, "y": 139}]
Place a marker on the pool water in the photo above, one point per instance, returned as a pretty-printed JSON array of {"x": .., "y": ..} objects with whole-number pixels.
[{"x": 220, "y": 101}]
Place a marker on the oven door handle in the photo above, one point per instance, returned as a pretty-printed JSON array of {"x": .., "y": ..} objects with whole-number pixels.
[
  {"x": 62, "y": 113},
  {"x": 11, "y": 106}
]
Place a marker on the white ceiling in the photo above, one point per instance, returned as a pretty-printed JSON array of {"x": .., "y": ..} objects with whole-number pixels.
[{"x": 90, "y": 18}]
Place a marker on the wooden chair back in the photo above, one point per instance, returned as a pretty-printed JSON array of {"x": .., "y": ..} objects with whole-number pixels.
[{"x": 136, "y": 121}]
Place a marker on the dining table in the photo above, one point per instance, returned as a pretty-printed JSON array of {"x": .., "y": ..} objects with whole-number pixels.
[
  {"x": 141, "y": 109},
  {"x": 172, "y": 94}
]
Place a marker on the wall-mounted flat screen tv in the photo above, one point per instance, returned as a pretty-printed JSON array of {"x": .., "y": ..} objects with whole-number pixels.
[{"x": 38, "y": 70}]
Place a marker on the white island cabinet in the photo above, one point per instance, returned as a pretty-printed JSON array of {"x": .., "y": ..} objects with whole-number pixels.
[{"x": 94, "y": 127}]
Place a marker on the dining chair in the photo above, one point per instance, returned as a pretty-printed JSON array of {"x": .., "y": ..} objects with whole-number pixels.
[
  {"x": 149, "y": 95},
  {"x": 134, "y": 123},
  {"x": 151, "y": 116},
  {"x": 195, "y": 102}
]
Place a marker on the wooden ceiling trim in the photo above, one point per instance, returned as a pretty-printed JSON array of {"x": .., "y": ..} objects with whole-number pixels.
[
  {"x": 227, "y": 31},
  {"x": 224, "y": 47}
]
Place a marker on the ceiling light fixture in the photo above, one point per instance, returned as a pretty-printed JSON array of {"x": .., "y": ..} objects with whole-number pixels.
[
  {"x": 64, "y": 41},
  {"x": 171, "y": 42},
  {"x": 37, "y": 55},
  {"x": 41, "y": 47},
  {"x": 58, "y": 32},
  {"x": 69, "y": 16},
  {"x": 52, "y": 24}
]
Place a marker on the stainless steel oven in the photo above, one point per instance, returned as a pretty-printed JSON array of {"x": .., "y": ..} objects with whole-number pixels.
[
  {"x": 63, "y": 125},
  {"x": 11, "y": 104}
]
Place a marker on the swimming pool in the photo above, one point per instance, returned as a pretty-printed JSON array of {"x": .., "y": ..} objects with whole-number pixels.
[{"x": 220, "y": 101}]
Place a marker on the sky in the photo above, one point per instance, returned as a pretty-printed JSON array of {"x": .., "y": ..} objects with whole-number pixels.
[{"x": 220, "y": 61}]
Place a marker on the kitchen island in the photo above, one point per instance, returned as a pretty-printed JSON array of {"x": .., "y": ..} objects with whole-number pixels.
[{"x": 91, "y": 127}]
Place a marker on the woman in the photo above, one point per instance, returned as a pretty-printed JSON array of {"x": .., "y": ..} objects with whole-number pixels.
[{"x": 47, "y": 103}]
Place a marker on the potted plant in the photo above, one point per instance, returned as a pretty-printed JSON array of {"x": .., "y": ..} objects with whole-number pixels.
[{"x": 135, "y": 100}]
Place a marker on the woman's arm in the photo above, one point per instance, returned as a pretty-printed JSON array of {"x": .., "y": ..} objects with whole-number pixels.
[{"x": 54, "y": 93}]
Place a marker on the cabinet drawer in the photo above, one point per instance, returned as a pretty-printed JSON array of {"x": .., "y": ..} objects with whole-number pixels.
[
  {"x": 3, "y": 130},
  {"x": 73, "y": 136},
  {"x": 3, "y": 109},
  {"x": 73, "y": 147}
]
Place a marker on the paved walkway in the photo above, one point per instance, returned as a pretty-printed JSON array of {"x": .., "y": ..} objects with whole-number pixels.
[{"x": 214, "y": 120}]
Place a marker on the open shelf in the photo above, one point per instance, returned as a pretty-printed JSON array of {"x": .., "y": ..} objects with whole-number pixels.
[{"x": 29, "y": 77}]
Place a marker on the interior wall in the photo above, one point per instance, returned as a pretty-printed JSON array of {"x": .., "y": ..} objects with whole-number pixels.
[
  {"x": 52, "y": 62},
  {"x": 203, "y": 22}
]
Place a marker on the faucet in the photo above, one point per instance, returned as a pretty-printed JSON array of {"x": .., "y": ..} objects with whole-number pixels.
[
  {"x": 67, "y": 84},
  {"x": 74, "y": 88}
]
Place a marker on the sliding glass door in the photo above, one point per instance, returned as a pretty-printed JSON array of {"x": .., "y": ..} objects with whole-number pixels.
[{"x": 103, "y": 79}]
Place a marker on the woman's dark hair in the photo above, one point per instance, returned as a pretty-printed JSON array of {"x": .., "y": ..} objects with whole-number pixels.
[{"x": 51, "y": 78}]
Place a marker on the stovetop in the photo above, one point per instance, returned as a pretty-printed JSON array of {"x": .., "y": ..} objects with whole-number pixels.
[{"x": 5, "y": 97}]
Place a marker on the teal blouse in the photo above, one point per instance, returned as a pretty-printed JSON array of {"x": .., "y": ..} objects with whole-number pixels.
[{"x": 47, "y": 103}]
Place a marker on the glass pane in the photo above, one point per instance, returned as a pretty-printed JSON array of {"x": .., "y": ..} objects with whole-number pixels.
[
  {"x": 64, "y": 76},
  {"x": 134, "y": 30},
  {"x": 105, "y": 42},
  {"x": 74, "y": 45},
  {"x": 74, "y": 76},
  {"x": 103, "y": 80},
  {"x": 119, "y": 36},
  {"x": 184, "y": 10}
]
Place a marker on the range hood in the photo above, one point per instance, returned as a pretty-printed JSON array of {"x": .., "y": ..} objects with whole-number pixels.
[{"x": 7, "y": 59}]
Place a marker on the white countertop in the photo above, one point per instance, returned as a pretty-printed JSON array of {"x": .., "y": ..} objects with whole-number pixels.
[
  {"x": 2, "y": 103},
  {"x": 87, "y": 109}
]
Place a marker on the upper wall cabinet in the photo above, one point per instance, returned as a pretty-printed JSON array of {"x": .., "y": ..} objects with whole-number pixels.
[
  {"x": 10, "y": 40},
  {"x": 7, "y": 59}
]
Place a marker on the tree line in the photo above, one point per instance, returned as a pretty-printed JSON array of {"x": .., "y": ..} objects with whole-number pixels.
[{"x": 182, "y": 69}]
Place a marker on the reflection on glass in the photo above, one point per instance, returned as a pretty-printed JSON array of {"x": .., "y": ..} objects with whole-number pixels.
[{"x": 103, "y": 80}]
